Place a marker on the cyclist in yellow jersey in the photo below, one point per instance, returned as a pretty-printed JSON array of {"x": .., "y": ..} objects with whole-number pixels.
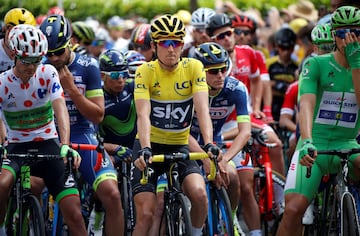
[{"x": 167, "y": 91}]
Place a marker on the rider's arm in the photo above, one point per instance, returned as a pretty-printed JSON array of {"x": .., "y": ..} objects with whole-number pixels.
[
  {"x": 307, "y": 105},
  {"x": 2, "y": 131},
  {"x": 62, "y": 119},
  {"x": 256, "y": 93},
  {"x": 143, "y": 121},
  {"x": 90, "y": 106},
  {"x": 356, "y": 82},
  {"x": 239, "y": 142},
  {"x": 201, "y": 105}
]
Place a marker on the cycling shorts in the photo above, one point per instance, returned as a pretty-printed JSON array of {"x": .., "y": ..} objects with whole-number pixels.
[
  {"x": 296, "y": 181},
  {"x": 51, "y": 171},
  {"x": 156, "y": 169},
  {"x": 88, "y": 161}
]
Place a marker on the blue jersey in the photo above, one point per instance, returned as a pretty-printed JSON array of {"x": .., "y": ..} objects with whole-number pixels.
[
  {"x": 233, "y": 96},
  {"x": 119, "y": 124},
  {"x": 86, "y": 73}
]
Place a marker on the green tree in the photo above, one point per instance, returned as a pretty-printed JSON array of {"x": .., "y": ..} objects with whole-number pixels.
[{"x": 103, "y": 9}]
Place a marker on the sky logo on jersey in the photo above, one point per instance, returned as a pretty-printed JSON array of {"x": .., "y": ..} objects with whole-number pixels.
[{"x": 174, "y": 116}]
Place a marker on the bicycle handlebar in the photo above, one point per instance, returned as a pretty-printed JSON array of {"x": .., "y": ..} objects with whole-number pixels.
[
  {"x": 99, "y": 148},
  {"x": 342, "y": 153},
  {"x": 178, "y": 156},
  {"x": 260, "y": 136}
]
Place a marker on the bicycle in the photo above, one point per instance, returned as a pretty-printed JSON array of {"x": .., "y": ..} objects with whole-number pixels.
[
  {"x": 55, "y": 225},
  {"x": 124, "y": 183},
  {"x": 342, "y": 218},
  {"x": 265, "y": 179},
  {"x": 219, "y": 219},
  {"x": 176, "y": 204},
  {"x": 24, "y": 214}
]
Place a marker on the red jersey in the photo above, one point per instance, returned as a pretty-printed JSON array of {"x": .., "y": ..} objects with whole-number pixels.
[
  {"x": 291, "y": 99},
  {"x": 246, "y": 66}
]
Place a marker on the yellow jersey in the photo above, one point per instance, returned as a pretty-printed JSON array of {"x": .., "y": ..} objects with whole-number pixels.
[{"x": 171, "y": 98}]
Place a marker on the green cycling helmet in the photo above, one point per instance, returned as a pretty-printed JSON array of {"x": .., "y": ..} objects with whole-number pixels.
[
  {"x": 345, "y": 16},
  {"x": 83, "y": 32},
  {"x": 321, "y": 34}
]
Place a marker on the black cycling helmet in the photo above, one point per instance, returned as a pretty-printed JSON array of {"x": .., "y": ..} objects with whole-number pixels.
[
  {"x": 285, "y": 37},
  {"x": 217, "y": 21},
  {"x": 140, "y": 37},
  {"x": 211, "y": 54},
  {"x": 57, "y": 30},
  {"x": 113, "y": 60}
]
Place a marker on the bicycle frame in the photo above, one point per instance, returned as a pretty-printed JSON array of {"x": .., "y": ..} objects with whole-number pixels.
[
  {"x": 342, "y": 190},
  {"x": 258, "y": 150},
  {"x": 173, "y": 196},
  {"x": 22, "y": 192}
]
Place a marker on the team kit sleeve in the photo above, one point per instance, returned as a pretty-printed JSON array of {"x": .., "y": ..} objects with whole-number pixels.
[
  {"x": 199, "y": 76},
  {"x": 50, "y": 73},
  {"x": 308, "y": 82},
  {"x": 93, "y": 81},
  {"x": 242, "y": 113},
  {"x": 142, "y": 89}
]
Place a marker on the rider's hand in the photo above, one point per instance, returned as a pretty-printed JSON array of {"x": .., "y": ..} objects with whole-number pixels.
[
  {"x": 213, "y": 150},
  {"x": 268, "y": 114},
  {"x": 4, "y": 151},
  {"x": 258, "y": 114},
  {"x": 305, "y": 158},
  {"x": 144, "y": 154},
  {"x": 352, "y": 52},
  {"x": 122, "y": 154},
  {"x": 64, "y": 149}
]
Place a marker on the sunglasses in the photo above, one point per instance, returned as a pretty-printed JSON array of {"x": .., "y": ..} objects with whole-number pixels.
[
  {"x": 222, "y": 35},
  {"x": 97, "y": 43},
  {"x": 200, "y": 30},
  {"x": 30, "y": 60},
  {"x": 216, "y": 70},
  {"x": 342, "y": 32},
  {"x": 287, "y": 48},
  {"x": 57, "y": 52},
  {"x": 115, "y": 75},
  {"x": 170, "y": 42},
  {"x": 241, "y": 31},
  {"x": 143, "y": 47}
]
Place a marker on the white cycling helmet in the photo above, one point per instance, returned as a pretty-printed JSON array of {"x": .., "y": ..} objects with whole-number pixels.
[
  {"x": 200, "y": 17},
  {"x": 135, "y": 59},
  {"x": 27, "y": 41}
]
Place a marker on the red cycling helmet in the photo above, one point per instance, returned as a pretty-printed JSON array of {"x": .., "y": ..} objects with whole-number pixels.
[{"x": 243, "y": 20}]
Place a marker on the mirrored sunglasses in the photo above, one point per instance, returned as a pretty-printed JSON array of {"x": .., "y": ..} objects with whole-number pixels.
[
  {"x": 30, "y": 60},
  {"x": 222, "y": 35},
  {"x": 170, "y": 42},
  {"x": 342, "y": 32},
  {"x": 241, "y": 31},
  {"x": 115, "y": 75},
  {"x": 216, "y": 70}
]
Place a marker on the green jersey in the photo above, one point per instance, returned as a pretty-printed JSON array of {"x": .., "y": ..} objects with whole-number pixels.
[
  {"x": 336, "y": 114},
  {"x": 335, "y": 121}
]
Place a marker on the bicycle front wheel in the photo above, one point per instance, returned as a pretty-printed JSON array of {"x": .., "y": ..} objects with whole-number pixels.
[
  {"x": 349, "y": 220},
  {"x": 222, "y": 214},
  {"x": 33, "y": 220},
  {"x": 178, "y": 220}
]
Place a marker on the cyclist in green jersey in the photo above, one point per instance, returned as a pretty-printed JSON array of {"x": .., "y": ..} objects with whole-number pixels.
[{"x": 329, "y": 92}]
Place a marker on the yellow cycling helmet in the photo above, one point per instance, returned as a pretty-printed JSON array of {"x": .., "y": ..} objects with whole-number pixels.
[
  {"x": 167, "y": 26},
  {"x": 17, "y": 16}
]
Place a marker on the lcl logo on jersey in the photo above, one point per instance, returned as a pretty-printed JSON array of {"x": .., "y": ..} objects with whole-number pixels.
[{"x": 183, "y": 88}]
